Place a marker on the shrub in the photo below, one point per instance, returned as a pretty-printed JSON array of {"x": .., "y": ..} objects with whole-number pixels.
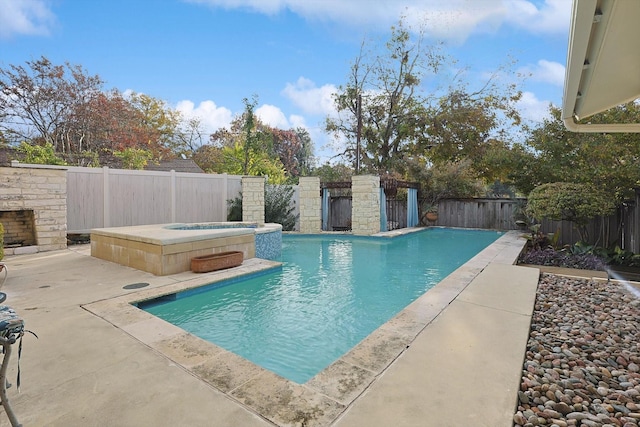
[
  {"x": 134, "y": 158},
  {"x": 40, "y": 155},
  {"x": 618, "y": 256},
  {"x": 278, "y": 207},
  {"x": 235, "y": 209},
  {"x": 569, "y": 201},
  {"x": 450, "y": 180}
]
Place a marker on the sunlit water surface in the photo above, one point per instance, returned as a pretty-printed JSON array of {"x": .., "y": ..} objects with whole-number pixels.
[{"x": 331, "y": 292}]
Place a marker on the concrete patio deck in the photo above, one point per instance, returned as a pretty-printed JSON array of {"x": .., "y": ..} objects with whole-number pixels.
[{"x": 457, "y": 355}]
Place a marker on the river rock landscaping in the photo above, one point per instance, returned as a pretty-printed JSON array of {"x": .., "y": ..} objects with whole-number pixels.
[{"x": 582, "y": 364}]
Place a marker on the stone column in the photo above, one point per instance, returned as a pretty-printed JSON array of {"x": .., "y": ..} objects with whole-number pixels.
[
  {"x": 253, "y": 199},
  {"x": 365, "y": 208},
  {"x": 310, "y": 205}
]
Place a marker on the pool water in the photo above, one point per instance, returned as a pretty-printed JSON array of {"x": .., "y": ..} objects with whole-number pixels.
[{"x": 331, "y": 292}]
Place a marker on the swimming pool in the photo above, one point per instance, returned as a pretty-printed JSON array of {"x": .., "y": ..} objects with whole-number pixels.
[{"x": 331, "y": 292}]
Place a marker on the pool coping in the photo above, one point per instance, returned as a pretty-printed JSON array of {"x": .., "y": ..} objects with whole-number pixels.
[
  {"x": 171, "y": 233},
  {"x": 323, "y": 399}
]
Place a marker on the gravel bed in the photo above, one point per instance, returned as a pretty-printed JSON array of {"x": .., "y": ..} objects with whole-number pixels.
[{"x": 582, "y": 366}]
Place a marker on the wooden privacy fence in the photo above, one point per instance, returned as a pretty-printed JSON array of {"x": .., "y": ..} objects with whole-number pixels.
[
  {"x": 491, "y": 214},
  {"x": 104, "y": 197},
  {"x": 620, "y": 229}
]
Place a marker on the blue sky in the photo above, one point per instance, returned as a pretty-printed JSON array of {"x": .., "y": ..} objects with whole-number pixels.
[{"x": 204, "y": 56}]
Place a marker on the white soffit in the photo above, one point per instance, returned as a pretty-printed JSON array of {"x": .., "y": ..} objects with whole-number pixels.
[{"x": 603, "y": 62}]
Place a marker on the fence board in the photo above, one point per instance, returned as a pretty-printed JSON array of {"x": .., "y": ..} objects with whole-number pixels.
[
  {"x": 115, "y": 197},
  {"x": 619, "y": 229},
  {"x": 109, "y": 197}
]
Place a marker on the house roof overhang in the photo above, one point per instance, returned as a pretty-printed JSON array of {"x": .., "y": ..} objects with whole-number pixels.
[{"x": 603, "y": 62}]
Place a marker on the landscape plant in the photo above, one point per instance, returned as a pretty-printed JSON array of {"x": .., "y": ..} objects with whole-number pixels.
[
  {"x": 400, "y": 105},
  {"x": 134, "y": 158},
  {"x": 39, "y": 154},
  {"x": 551, "y": 153},
  {"x": 235, "y": 208},
  {"x": 448, "y": 180},
  {"x": 567, "y": 201},
  {"x": 278, "y": 207}
]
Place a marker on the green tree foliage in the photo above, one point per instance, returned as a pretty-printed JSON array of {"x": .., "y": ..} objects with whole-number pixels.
[
  {"x": 608, "y": 162},
  {"x": 407, "y": 118},
  {"x": 384, "y": 92},
  {"x": 333, "y": 173},
  {"x": 303, "y": 155},
  {"x": 62, "y": 105},
  {"x": 210, "y": 158},
  {"x": 40, "y": 154},
  {"x": 472, "y": 127},
  {"x": 569, "y": 201},
  {"x": 39, "y": 102},
  {"x": 161, "y": 123},
  {"x": 236, "y": 161},
  {"x": 249, "y": 147},
  {"x": 449, "y": 180},
  {"x": 134, "y": 158}
]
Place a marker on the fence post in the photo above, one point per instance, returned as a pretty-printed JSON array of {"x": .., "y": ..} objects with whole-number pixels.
[
  {"x": 106, "y": 218},
  {"x": 173, "y": 195},
  {"x": 225, "y": 190}
]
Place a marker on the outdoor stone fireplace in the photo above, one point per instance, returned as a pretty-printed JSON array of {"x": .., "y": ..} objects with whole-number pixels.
[
  {"x": 33, "y": 209},
  {"x": 19, "y": 228}
]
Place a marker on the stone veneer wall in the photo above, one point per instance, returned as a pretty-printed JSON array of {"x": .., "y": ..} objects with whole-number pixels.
[
  {"x": 253, "y": 199},
  {"x": 310, "y": 205},
  {"x": 45, "y": 192},
  {"x": 365, "y": 208},
  {"x": 163, "y": 260}
]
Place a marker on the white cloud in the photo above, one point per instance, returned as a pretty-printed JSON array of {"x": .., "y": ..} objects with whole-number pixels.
[
  {"x": 546, "y": 71},
  {"x": 533, "y": 109},
  {"x": 272, "y": 116},
  {"x": 310, "y": 98},
  {"x": 297, "y": 121},
  {"x": 552, "y": 16},
  {"x": 211, "y": 116},
  {"x": 25, "y": 17},
  {"x": 453, "y": 20}
]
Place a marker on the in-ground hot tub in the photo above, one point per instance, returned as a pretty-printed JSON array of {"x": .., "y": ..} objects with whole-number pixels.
[{"x": 164, "y": 249}]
